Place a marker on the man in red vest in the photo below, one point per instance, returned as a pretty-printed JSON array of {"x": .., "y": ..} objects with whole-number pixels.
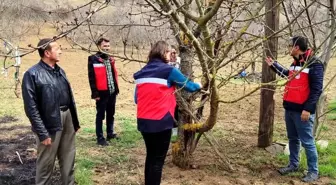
[
  {"x": 104, "y": 89},
  {"x": 302, "y": 92}
]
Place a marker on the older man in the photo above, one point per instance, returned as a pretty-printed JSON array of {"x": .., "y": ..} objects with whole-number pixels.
[{"x": 50, "y": 107}]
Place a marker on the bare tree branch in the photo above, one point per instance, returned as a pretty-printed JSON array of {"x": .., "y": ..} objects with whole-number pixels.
[{"x": 65, "y": 33}]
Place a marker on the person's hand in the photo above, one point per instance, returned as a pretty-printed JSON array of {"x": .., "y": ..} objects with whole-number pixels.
[
  {"x": 46, "y": 142},
  {"x": 269, "y": 61},
  {"x": 305, "y": 115},
  {"x": 97, "y": 99}
]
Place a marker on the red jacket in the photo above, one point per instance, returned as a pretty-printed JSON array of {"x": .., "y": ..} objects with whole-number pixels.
[
  {"x": 155, "y": 98},
  {"x": 155, "y": 95}
]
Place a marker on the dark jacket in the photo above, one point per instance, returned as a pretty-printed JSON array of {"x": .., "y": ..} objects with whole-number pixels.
[
  {"x": 296, "y": 87},
  {"x": 41, "y": 100},
  {"x": 98, "y": 76}
]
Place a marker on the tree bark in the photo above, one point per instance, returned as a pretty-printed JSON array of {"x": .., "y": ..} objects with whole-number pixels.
[
  {"x": 266, "y": 117},
  {"x": 182, "y": 154}
]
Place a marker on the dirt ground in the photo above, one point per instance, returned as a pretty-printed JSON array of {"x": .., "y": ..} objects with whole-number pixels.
[
  {"x": 18, "y": 154},
  {"x": 236, "y": 133}
]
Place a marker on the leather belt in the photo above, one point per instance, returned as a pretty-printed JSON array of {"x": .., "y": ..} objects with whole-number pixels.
[{"x": 64, "y": 108}]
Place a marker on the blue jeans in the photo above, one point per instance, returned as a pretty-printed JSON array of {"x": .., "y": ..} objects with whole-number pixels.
[{"x": 297, "y": 131}]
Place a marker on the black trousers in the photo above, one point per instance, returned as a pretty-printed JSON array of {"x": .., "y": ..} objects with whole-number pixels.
[
  {"x": 157, "y": 145},
  {"x": 105, "y": 104}
]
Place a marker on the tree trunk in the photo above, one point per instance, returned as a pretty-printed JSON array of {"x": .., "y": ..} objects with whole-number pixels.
[
  {"x": 325, "y": 57},
  {"x": 266, "y": 117},
  {"x": 182, "y": 154},
  {"x": 320, "y": 108}
]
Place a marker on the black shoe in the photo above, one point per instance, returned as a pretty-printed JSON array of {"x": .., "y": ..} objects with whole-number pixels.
[
  {"x": 113, "y": 136},
  {"x": 288, "y": 169},
  {"x": 102, "y": 142},
  {"x": 310, "y": 177}
]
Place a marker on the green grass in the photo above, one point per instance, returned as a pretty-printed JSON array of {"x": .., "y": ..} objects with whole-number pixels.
[
  {"x": 174, "y": 139},
  {"x": 324, "y": 128},
  {"x": 90, "y": 155},
  {"x": 84, "y": 170},
  {"x": 327, "y": 161},
  {"x": 85, "y": 162},
  {"x": 89, "y": 130},
  {"x": 129, "y": 136},
  {"x": 332, "y": 105},
  {"x": 332, "y": 114}
]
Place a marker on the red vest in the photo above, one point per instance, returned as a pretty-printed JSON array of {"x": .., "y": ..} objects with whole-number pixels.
[
  {"x": 297, "y": 89},
  {"x": 101, "y": 74}
]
